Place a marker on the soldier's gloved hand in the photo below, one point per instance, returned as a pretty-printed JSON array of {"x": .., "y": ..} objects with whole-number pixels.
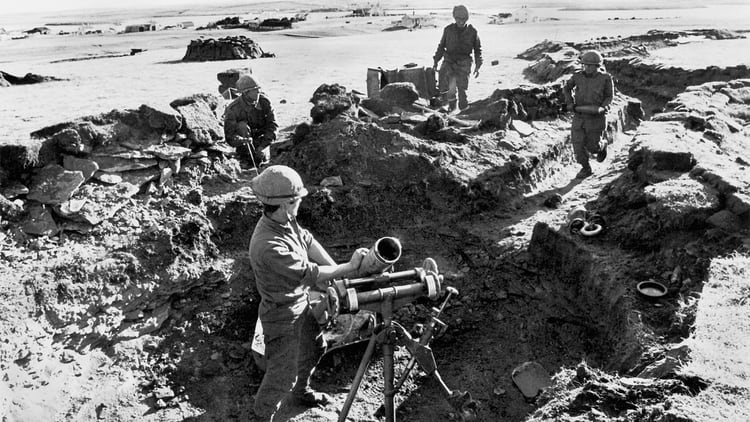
[{"x": 601, "y": 110}]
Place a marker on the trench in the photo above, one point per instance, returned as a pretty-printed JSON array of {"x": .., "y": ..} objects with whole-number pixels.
[{"x": 556, "y": 303}]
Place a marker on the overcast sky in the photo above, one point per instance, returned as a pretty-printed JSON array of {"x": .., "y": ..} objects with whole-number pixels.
[{"x": 41, "y": 6}]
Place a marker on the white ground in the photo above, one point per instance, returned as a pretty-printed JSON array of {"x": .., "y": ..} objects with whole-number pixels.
[{"x": 342, "y": 54}]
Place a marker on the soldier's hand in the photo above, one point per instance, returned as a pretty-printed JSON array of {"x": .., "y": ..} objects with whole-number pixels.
[{"x": 356, "y": 259}]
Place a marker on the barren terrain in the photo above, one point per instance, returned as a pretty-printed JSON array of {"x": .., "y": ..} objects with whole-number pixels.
[{"x": 148, "y": 314}]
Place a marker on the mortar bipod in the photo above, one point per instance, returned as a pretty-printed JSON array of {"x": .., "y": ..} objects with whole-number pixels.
[{"x": 389, "y": 333}]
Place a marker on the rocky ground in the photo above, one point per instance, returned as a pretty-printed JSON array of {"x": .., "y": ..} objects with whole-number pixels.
[{"x": 127, "y": 293}]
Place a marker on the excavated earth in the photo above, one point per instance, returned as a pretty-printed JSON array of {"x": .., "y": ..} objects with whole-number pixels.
[{"x": 127, "y": 293}]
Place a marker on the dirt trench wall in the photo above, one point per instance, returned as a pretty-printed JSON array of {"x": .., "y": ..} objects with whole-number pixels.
[{"x": 656, "y": 85}]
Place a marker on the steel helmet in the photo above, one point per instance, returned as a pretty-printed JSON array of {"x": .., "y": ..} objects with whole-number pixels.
[
  {"x": 246, "y": 82},
  {"x": 591, "y": 57},
  {"x": 461, "y": 12},
  {"x": 278, "y": 184}
]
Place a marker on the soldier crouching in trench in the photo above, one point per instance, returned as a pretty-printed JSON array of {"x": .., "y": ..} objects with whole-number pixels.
[
  {"x": 250, "y": 123},
  {"x": 287, "y": 262},
  {"x": 588, "y": 94}
]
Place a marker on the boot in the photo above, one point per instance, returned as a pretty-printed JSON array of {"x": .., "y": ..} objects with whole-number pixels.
[{"x": 584, "y": 173}]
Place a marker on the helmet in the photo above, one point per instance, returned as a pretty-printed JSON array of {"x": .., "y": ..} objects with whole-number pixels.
[
  {"x": 461, "y": 12},
  {"x": 591, "y": 57},
  {"x": 246, "y": 82},
  {"x": 278, "y": 184}
]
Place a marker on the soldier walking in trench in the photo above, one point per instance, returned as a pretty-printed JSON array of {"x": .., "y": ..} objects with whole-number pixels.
[
  {"x": 456, "y": 45},
  {"x": 588, "y": 94}
]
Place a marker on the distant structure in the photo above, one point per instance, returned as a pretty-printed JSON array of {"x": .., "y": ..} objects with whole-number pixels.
[
  {"x": 500, "y": 18},
  {"x": 415, "y": 21},
  {"x": 370, "y": 9},
  {"x": 187, "y": 24},
  {"x": 524, "y": 14},
  {"x": 42, "y": 30},
  {"x": 140, "y": 27}
]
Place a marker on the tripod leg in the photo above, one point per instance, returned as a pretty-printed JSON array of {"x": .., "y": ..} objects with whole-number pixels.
[{"x": 358, "y": 378}]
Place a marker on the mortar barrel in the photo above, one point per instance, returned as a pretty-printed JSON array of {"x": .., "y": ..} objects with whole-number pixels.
[{"x": 384, "y": 253}]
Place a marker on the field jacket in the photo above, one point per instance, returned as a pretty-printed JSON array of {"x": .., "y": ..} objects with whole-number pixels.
[
  {"x": 584, "y": 90},
  {"x": 283, "y": 272},
  {"x": 258, "y": 117},
  {"x": 456, "y": 45}
]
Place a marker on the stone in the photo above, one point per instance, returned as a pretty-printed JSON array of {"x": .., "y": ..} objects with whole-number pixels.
[
  {"x": 138, "y": 178},
  {"x": 39, "y": 222},
  {"x": 332, "y": 181},
  {"x": 531, "y": 378},
  {"x": 85, "y": 166},
  {"x": 725, "y": 220},
  {"x": 69, "y": 140},
  {"x": 399, "y": 93},
  {"x": 54, "y": 185},
  {"x": 161, "y": 118},
  {"x": 201, "y": 125},
  {"x": 108, "y": 178},
  {"x": 69, "y": 208},
  {"x": 168, "y": 151},
  {"x": 15, "y": 190},
  {"x": 112, "y": 164}
]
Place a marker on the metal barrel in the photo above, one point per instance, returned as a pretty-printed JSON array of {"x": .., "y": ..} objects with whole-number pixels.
[{"x": 384, "y": 253}]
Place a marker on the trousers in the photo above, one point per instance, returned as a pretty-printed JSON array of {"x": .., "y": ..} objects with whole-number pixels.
[
  {"x": 453, "y": 77},
  {"x": 292, "y": 352},
  {"x": 586, "y": 135}
]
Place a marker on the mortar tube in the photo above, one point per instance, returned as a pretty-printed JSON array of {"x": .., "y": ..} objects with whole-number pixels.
[{"x": 383, "y": 254}]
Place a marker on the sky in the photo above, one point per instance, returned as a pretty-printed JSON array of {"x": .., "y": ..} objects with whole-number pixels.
[{"x": 41, "y": 6}]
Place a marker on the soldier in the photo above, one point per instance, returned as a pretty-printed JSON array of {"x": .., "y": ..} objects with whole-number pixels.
[
  {"x": 287, "y": 263},
  {"x": 250, "y": 124},
  {"x": 588, "y": 94},
  {"x": 455, "y": 48}
]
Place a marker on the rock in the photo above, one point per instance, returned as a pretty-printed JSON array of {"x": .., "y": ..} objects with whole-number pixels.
[
  {"x": 39, "y": 222},
  {"x": 69, "y": 140},
  {"x": 69, "y": 208},
  {"x": 168, "y": 151},
  {"x": 531, "y": 378},
  {"x": 85, "y": 166},
  {"x": 725, "y": 220},
  {"x": 331, "y": 181},
  {"x": 15, "y": 190},
  {"x": 108, "y": 178},
  {"x": 681, "y": 203},
  {"x": 54, "y": 185},
  {"x": 329, "y": 101},
  {"x": 113, "y": 164},
  {"x": 10, "y": 209},
  {"x": 161, "y": 118},
  {"x": 201, "y": 125},
  {"x": 399, "y": 93}
]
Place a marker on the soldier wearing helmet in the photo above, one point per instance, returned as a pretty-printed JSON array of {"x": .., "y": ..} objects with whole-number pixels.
[
  {"x": 288, "y": 263},
  {"x": 588, "y": 94},
  {"x": 459, "y": 40},
  {"x": 250, "y": 123}
]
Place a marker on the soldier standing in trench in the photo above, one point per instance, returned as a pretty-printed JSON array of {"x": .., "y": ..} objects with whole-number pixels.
[
  {"x": 287, "y": 263},
  {"x": 588, "y": 94},
  {"x": 250, "y": 123},
  {"x": 456, "y": 45}
]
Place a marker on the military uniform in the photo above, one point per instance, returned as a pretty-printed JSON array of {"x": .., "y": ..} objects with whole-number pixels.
[
  {"x": 587, "y": 130},
  {"x": 251, "y": 120},
  {"x": 293, "y": 339},
  {"x": 455, "y": 48}
]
